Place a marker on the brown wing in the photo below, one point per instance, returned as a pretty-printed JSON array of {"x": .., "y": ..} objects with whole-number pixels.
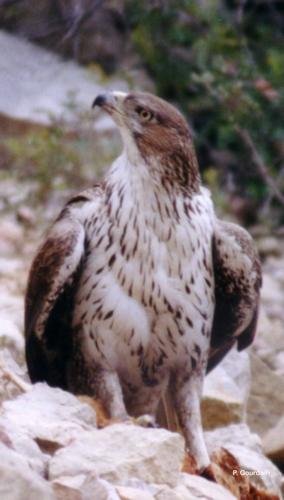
[
  {"x": 237, "y": 273},
  {"x": 49, "y": 296}
]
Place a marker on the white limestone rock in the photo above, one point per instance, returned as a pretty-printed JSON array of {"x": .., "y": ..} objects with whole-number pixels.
[
  {"x": 268, "y": 246},
  {"x": 38, "y": 86},
  {"x": 83, "y": 487},
  {"x": 11, "y": 336},
  {"x": 266, "y": 401},
  {"x": 196, "y": 487},
  {"x": 18, "y": 481},
  {"x": 225, "y": 391},
  {"x": 121, "y": 451},
  {"x": 128, "y": 493},
  {"x": 273, "y": 442},
  {"x": 8, "y": 389},
  {"x": 51, "y": 417},
  {"x": 192, "y": 487}
]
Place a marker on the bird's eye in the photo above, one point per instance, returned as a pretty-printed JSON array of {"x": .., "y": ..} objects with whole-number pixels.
[{"x": 144, "y": 114}]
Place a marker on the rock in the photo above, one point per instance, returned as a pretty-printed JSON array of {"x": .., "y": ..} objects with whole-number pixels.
[
  {"x": 267, "y": 393},
  {"x": 26, "y": 216},
  {"x": 83, "y": 487},
  {"x": 221, "y": 401},
  {"x": 268, "y": 246},
  {"x": 139, "y": 485},
  {"x": 127, "y": 493},
  {"x": 11, "y": 313},
  {"x": 18, "y": 481},
  {"x": 273, "y": 443},
  {"x": 97, "y": 489},
  {"x": 191, "y": 487},
  {"x": 11, "y": 237},
  {"x": 225, "y": 391},
  {"x": 247, "y": 450},
  {"x": 8, "y": 389},
  {"x": 11, "y": 337},
  {"x": 279, "y": 271},
  {"x": 272, "y": 296},
  {"x": 235, "y": 434},
  {"x": 269, "y": 342},
  {"x": 121, "y": 451},
  {"x": 37, "y": 86},
  {"x": 51, "y": 417},
  {"x": 278, "y": 363},
  {"x": 258, "y": 468},
  {"x": 179, "y": 493},
  {"x": 28, "y": 449}
]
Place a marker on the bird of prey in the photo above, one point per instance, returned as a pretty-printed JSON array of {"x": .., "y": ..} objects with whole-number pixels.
[{"x": 138, "y": 289}]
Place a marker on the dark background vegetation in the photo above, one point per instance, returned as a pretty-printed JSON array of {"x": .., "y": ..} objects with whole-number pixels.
[{"x": 221, "y": 62}]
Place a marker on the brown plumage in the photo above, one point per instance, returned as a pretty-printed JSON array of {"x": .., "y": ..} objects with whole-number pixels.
[{"x": 138, "y": 289}]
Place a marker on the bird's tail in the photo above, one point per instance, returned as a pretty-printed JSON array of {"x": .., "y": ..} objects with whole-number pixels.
[{"x": 166, "y": 415}]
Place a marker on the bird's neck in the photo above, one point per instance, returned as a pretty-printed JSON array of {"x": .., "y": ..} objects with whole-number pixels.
[{"x": 133, "y": 187}]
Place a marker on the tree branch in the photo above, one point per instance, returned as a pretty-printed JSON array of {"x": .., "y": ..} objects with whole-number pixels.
[{"x": 261, "y": 167}]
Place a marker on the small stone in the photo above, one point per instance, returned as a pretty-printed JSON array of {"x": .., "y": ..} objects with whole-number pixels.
[
  {"x": 26, "y": 216},
  {"x": 268, "y": 246},
  {"x": 11, "y": 337},
  {"x": 83, "y": 487},
  {"x": 11, "y": 236},
  {"x": 272, "y": 296},
  {"x": 127, "y": 493},
  {"x": 8, "y": 388}
]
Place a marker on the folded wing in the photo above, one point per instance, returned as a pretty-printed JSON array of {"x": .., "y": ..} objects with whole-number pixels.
[
  {"x": 50, "y": 294},
  {"x": 238, "y": 280}
]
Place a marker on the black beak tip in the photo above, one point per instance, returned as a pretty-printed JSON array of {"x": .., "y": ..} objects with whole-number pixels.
[{"x": 100, "y": 100}]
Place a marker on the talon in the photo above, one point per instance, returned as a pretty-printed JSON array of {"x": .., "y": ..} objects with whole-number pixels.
[
  {"x": 208, "y": 473},
  {"x": 145, "y": 421}
]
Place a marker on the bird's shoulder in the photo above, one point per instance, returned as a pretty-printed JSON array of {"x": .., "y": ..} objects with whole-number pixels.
[
  {"x": 82, "y": 203},
  {"x": 59, "y": 256},
  {"x": 235, "y": 252}
]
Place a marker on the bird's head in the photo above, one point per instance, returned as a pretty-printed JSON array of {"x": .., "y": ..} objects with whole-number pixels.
[{"x": 155, "y": 131}]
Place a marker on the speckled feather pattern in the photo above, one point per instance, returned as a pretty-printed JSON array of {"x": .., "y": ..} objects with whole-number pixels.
[{"x": 145, "y": 299}]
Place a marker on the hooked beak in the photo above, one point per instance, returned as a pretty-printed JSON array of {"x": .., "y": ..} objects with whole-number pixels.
[{"x": 111, "y": 102}]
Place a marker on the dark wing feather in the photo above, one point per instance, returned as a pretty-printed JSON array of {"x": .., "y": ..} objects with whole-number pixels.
[
  {"x": 49, "y": 296},
  {"x": 237, "y": 273}
]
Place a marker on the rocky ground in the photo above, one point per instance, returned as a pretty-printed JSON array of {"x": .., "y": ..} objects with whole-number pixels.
[{"x": 51, "y": 443}]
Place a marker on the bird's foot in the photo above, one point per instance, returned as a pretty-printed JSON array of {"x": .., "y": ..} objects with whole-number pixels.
[
  {"x": 209, "y": 473},
  {"x": 147, "y": 421}
]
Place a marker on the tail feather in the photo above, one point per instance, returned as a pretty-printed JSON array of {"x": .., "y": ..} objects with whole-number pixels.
[{"x": 166, "y": 415}]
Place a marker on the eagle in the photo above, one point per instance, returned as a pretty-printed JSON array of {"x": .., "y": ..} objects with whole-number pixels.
[{"x": 138, "y": 289}]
